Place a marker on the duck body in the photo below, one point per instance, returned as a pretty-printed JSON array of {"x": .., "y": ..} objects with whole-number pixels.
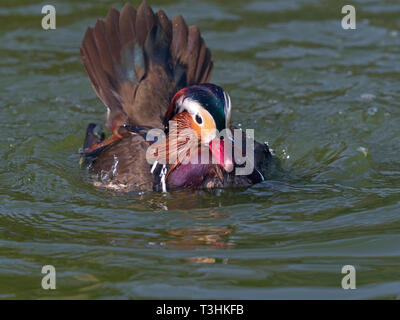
[{"x": 151, "y": 72}]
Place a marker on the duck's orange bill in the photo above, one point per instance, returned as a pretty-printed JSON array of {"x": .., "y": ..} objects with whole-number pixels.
[{"x": 224, "y": 159}]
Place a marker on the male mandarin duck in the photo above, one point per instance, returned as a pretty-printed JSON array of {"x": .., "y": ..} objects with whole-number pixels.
[{"x": 149, "y": 70}]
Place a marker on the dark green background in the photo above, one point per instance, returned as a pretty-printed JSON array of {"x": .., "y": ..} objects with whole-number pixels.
[{"x": 326, "y": 99}]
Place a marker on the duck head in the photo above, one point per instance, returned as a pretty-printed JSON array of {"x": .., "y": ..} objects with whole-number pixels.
[{"x": 203, "y": 110}]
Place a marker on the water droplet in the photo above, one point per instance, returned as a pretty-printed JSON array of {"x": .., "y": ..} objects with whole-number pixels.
[
  {"x": 363, "y": 150},
  {"x": 285, "y": 154},
  {"x": 104, "y": 177},
  {"x": 372, "y": 111}
]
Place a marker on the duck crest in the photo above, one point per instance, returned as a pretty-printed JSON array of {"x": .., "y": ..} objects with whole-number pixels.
[{"x": 210, "y": 96}]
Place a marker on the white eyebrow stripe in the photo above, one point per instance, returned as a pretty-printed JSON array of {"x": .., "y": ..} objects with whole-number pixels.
[
  {"x": 193, "y": 107},
  {"x": 189, "y": 105}
]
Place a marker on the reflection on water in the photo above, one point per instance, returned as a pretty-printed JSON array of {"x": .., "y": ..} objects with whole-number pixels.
[
  {"x": 204, "y": 236},
  {"x": 198, "y": 237},
  {"x": 326, "y": 100}
]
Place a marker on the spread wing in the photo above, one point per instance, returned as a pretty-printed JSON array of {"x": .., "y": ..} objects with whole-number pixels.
[{"x": 137, "y": 60}]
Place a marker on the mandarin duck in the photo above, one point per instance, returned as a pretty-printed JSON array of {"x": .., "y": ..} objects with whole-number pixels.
[{"x": 151, "y": 72}]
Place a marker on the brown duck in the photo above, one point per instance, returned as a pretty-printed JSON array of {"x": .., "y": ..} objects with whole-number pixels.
[{"x": 152, "y": 73}]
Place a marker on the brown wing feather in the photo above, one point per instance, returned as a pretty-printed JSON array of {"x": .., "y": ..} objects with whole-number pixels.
[
  {"x": 137, "y": 61},
  {"x": 179, "y": 39},
  {"x": 127, "y": 23},
  {"x": 192, "y": 53}
]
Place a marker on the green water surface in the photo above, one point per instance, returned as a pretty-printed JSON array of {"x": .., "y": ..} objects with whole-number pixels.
[{"x": 327, "y": 101}]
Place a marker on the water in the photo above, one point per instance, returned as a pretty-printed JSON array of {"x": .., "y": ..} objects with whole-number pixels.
[{"x": 327, "y": 101}]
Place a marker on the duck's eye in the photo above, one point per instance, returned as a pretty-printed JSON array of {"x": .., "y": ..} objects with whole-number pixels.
[{"x": 199, "y": 119}]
